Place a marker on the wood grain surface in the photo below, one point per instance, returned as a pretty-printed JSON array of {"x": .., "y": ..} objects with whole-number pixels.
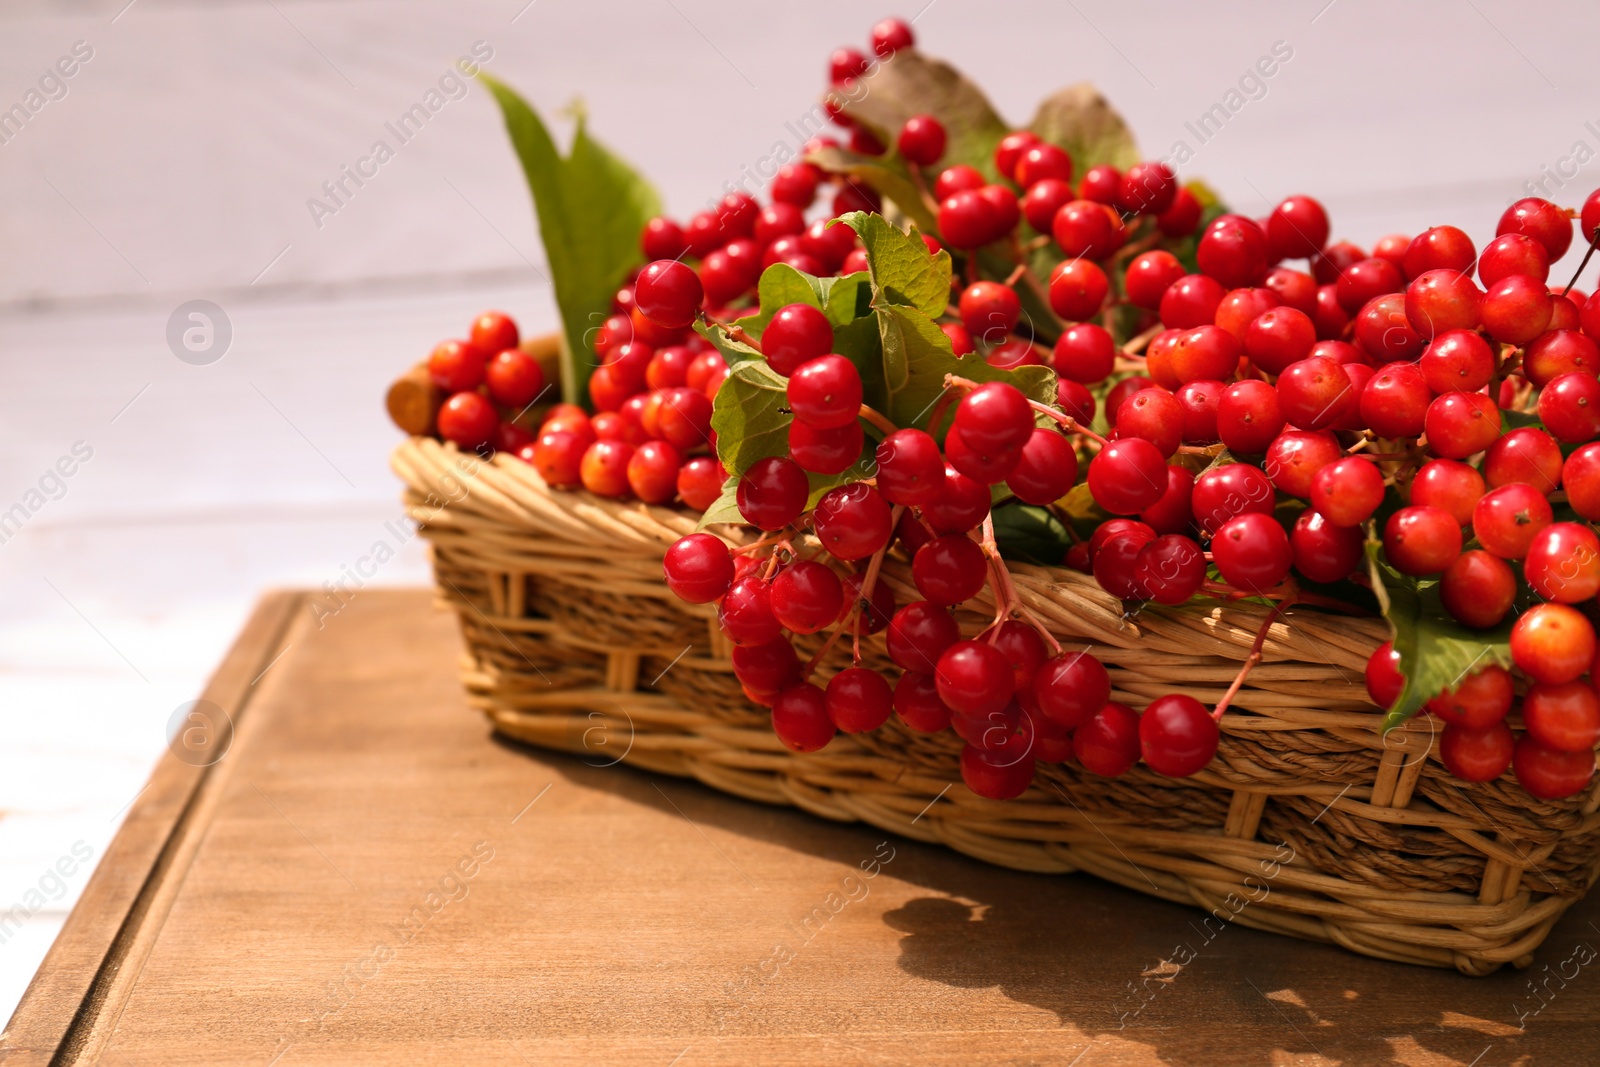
[{"x": 368, "y": 876}]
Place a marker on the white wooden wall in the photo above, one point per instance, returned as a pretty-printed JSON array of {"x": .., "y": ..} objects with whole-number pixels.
[{"x": 178, "y": 164}]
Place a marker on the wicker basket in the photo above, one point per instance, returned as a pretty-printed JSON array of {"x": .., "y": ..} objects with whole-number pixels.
[{"x": 1309, "y": 822}]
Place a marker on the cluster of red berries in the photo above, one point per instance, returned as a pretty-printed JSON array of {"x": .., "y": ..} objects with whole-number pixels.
[
  {"x": 1010, "y": 692},
  {"x": 487, "y": 382},
  {"x": 650, "y": 435},
  {"x": 1265, "y": 421}
]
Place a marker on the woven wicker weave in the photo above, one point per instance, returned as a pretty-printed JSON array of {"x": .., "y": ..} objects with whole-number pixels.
[{"x": 1309, "y": 822}]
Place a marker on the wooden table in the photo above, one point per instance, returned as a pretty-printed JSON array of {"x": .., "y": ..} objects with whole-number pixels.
[{"x": 368, "y": 876}]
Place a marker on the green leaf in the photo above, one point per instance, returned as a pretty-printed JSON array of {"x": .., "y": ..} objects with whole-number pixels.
[
  {"x": 1436, "y": 651},
  {"x": 910, "y": 83},
  {"x": 843, "y": 299},
  {"x": 749, "y": 416},
  {"x": 1082, "y": 512},
  {"x": 1080, "y": 120},
  {"x": 885, "y": 175},
  {"x": 591, "y": 207},
  {"x": 733, "y": 352},
  {"x": 902, "y": 270},
  {"x": 917, "y": 356},
  {"x": 725, "y": 508},
  {"x": 1030, "y": 534}
]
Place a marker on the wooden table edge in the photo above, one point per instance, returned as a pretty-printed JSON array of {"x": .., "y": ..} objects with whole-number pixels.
[{"x": 77, "y": 994}]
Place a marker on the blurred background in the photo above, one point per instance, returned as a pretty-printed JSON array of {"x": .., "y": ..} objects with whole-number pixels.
[{"x": 177, "y": 161}]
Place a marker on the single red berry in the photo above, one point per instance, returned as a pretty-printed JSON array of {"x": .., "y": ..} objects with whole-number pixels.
[
  {"x": 1440, "y": 301},
  {"x": 1540, "y": 220},
  {"x": 916, "y": 701},
  {"x": 468, "y": 420},
  {"x": 852, "y": 521},
  {"x": 1171, "y": 568},
  {"x": 1071, "y": 687},
  {"x": 806, "y": 596},
  {"x": 557, "y": 456},
  {"x": 1249, "y": 417},
  {"x": 1552, "y": 643},
  {"x": 832, "y": 451},
  {"x": 745, "y": 612},
  {"x": 800, "y": 718},
  {"x": 514, "y": 378},
  {"x": 858, "y": 699},
  {"x": 1040, "y": 161},
  {"x": 767, "y": 668},
  {"x": 1177, "y": 735},
  {"x": 1365, "y": 281},
  {"x": 1148, "y": 188},
  {"x": 1506, "y": 520},
  {"x": 1580, "y": 474},
  {"x": 1047, "y": 469},
  {"x": 1421, "y": 540},
  {"x": 797, "y": 334},
  {"x": 1108, "y": 743},
  {"x": 826, "y": 392},
  {"x": 1549, "y": 773},
  {"x": 1315, "y": 393},
  {"x": 1477, "y": 755},
  {"x": 1085, "y": 229},
  {"x": 922, "y": 140},
  {"x": 772, "y": 493},
  {"x": 1569, "y": 407},
  {"x": 1348, "y": 491},
  {"x": 1516, "y": 309},
  {"x": 1481, "y": 699},
  {"x": 494, "y": 331},
  {"x": 1478, "y": 589},
  {"x": 1278, "y": 338},
  {"x": 1191, "y": 301},
  {"x": 1181, "y": 219},
  {"x": 1085, "y": 353},
  {"x": 1078, "y": 289},
  {"x": 974, "y": 678},
  {"x": 1222, "y": 493},
  {"x": 1459, "y": 425},
  {"x": 1297, "y": 228},
  {"x": 1002, "y": 773},
  {"x": 1563, "y": 563},
  {"x": 653, "y": 472},
  {"x": 668, "y": 293},
  {"x": 1233, "y": 250},
  {"x": 698, "y": 568},
  {"x": 1448, "y": 484},
  {"x": 1148, "y": 276},
  {"x": 1127, "y": 476},
  {"x": 989, "y": 310},
  {"x": 1439, "y": 248},
  {"x": 457, "y": 366},
  {"x": 1322, "y": 551},
  {"x": 662, "y": 239},
  {"x": 1252, "y": 552},
  {"x": 918, "y": 635},
  {"x": 1513, "y": 253},
  {"x": 1383, "y": 677}
]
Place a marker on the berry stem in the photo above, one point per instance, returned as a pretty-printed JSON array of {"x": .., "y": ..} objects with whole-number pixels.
[
  {"x": 878, "y": 419},
  {"x": 1067, "y": 422},
  {"x": 1254, "y": 657},
  {"x": 1027, "y": 275},
  {"x": 1593, "y": 241},
  {"x": 1007, "y": 602},
  {"x": 1137, "y": 344},
  {"x": 733, "y": 330}
]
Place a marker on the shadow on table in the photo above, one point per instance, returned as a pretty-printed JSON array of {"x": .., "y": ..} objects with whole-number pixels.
[{"x": 1111, "y": 963}]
